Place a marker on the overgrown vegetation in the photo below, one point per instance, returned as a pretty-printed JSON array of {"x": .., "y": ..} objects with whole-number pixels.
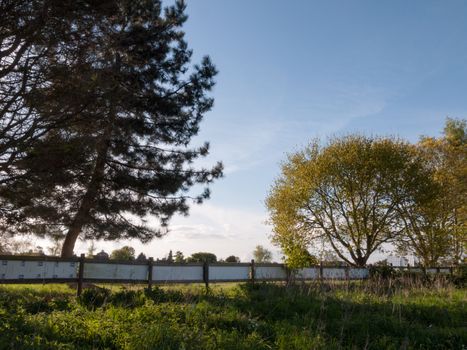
[
  {"x": 355, "y": 194},
  {"x": 379, "y": 314}
]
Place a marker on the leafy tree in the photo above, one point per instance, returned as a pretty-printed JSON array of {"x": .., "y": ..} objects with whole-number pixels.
[
  {"x": 232, "y": 259},
  {"x": 295, "y": 250},
  {"x": 436, "y": 225},
  {"x": 170, "y": 258},
  {"x": 346, "y": 193},
  {"x": 455, "y": 135},
  {"x": 134, "y": 105},
  {"x": 124, "y": 253},
  {"x": 262, "y": 255},
  {"x": 297, "y": 257},
  {"x": 202, "y": 257},
  {"x": 179, "y": 258}
]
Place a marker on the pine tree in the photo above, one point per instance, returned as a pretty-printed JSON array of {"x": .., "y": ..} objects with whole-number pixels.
[
  {"x": 33, "y": 34},
  {"x": 125, "y": 152}
]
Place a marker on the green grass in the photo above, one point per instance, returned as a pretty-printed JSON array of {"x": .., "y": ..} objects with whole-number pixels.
[{"x": 368, "y": 315}]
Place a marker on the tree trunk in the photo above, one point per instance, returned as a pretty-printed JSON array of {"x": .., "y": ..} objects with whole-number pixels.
[{"x": 89, "y": 198}]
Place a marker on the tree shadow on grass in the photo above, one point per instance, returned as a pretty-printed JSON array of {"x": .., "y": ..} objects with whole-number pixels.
[{"x": 355, "y": 319}]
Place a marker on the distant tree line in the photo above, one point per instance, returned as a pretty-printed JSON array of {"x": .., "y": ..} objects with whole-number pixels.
[
  {"x": 128, "y": 253},
  {"x": 24, "y": 247},
  {"x": 358, "y": 194}
]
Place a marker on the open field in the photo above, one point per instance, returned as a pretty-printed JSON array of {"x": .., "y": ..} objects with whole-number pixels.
[{"x": 357, "y": 315}]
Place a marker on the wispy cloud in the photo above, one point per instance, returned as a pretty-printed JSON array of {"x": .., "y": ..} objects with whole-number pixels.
[
  {"x": 196, "y": 231},
  {"x": 241, "y": 144}
]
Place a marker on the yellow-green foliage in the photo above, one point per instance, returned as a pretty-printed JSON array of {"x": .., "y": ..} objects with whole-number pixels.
[
  {"x": 437, "y": 228},
  {"x": 346, "y": 192}
]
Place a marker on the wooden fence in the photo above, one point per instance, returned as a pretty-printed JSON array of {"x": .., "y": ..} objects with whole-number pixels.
[{"x": 42, "y": 269}]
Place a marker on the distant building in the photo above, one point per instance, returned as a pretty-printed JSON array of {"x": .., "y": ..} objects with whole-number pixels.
[
  {"x": 102, "y": 255},
  {"x": 397, "y": 260}
]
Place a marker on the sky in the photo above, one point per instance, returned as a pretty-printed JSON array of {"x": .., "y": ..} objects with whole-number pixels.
[{"x": 293, "y": 71}]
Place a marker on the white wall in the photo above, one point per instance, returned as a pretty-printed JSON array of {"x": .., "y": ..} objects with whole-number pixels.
[
  {"x": 270, "y": 272},
  {"x": 229, "y": 273},
  {"x": 167, "y": 273},
  {"x": 115, "y": 271},
  {"x": 15, "y": 269},
  {"x": 18, "y": 269}
]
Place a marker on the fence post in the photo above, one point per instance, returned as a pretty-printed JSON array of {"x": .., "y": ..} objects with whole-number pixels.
[
  {"x": 347, "y": 272},
  {"x": 206, "y": 274},
  {"x": 80, "y": 275},
  {"x": 321, "y": 274},
  {"x": 150, "y": 264},
  {"x": 252, "y": 271},
  {"x": 288, "y": 275}
]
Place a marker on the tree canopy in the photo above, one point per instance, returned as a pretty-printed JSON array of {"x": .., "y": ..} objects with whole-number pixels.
[
  {"x": 129, "y": 104},
  {"x": 202, "y": 257},
  {"x": 436, "y": 228},
  {"x": 232, "y": 259},
  {"x": 262, "y": 255},
  {"x": 124, "y": 253},
  {"x": 347, "y": 193},
  {"x": 179, "y": 257}
]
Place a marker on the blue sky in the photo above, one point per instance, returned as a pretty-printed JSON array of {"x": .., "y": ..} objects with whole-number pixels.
[{"x": 291, "y": 71}]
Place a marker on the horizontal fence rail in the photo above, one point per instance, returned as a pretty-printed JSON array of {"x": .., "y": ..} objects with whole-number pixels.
[{"x": 43, "y": 269}]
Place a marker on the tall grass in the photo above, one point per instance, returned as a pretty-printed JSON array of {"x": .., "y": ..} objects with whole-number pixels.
[{"x": 400, "y": 313}]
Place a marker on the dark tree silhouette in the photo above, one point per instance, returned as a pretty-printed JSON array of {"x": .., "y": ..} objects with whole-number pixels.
[
  {"x": 232, "y": 259},
  {"x": 133, "y": 106}
]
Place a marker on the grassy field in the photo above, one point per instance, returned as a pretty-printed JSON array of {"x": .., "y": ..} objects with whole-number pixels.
[{"x": 359, "y": 315}]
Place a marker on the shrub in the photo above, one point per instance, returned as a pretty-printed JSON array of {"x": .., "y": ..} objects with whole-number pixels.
[
  {"x": 93, "y": 298},
  {"x": 382, "y": 272},
  {"x": 127, "y": 298}
]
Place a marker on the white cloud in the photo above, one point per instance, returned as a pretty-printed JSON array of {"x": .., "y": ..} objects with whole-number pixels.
[{"x": 221, "y": 230}]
